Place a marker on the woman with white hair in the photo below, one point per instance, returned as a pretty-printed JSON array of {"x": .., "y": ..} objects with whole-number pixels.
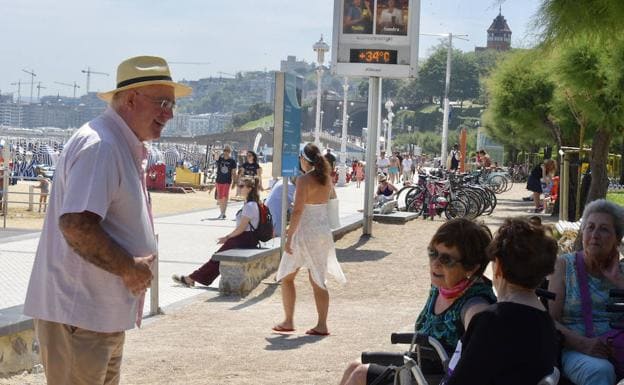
[{"x": 582, "y": 282}]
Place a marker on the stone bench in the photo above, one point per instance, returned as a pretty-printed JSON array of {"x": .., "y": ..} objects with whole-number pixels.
[
  {"x": 19, "y": 350},
  {"x": 243, "y": 269}
]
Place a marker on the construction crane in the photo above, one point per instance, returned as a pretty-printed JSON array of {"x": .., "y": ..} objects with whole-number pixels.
[
  {"x": 226, "y": 73},
  {"x": 195, "y": 63},
  {"x": 75, "y": 85},
  {"x": 32, "y": 81},
  {"x": 89, "y": 72},
  {"x": 19, "y": 90},
  {"x": 39, "y": 87}
]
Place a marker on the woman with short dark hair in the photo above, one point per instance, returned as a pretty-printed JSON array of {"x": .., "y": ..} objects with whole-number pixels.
[
  {"x": 513, "y": 341},
  {"x": 459, "y": 290}
]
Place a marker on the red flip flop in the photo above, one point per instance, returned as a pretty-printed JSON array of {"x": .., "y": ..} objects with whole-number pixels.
[
  {"x": 314, "y": 332},
  {"x": 280, "y": 329}
]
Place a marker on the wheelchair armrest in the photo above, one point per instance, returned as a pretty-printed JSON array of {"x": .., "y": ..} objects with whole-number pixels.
[{"x": 615, "y": 307}]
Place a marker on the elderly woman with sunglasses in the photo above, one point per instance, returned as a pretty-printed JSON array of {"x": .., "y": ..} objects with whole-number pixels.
[
  {"x": 585, "y": 356},
  {"x": 457, "y": 260},
  {"x": 241, "y": 238},
  {"x": 513, "y": 341}
]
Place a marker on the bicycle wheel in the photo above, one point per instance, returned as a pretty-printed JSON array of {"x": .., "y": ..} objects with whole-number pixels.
[
  {"x": 416, "y": 203},
  {"x": 455, "y": 209}
]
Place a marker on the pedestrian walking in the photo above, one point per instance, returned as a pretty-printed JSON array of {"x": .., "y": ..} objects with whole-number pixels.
[
  {"x": 542, "y": 173},
  {"x": 225, "y": 180},
  {"x": 309, "y": 242},
  {"x": 455, "y": 156},
  {"x": 251, "y": 168},
  {"x": 44, "y": 186},
  {"x": 92, "y": 266}
]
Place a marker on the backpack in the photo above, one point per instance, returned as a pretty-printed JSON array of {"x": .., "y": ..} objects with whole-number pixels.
[{"x": 264, "y": 232}]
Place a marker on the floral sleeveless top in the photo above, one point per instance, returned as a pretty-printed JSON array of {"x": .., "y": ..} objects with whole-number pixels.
[
  {"x": 447, "y": 327},
  {"x": 572, "y": 316}
]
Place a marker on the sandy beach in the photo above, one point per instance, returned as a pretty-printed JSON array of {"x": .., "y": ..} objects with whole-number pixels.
[{"x": 163, "y": 203}]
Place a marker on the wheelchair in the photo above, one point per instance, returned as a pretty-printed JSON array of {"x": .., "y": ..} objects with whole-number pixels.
[{"x": 426, "y": 361}]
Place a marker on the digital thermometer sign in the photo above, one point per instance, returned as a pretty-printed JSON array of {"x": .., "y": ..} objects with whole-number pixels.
[{"x": 378, "y": 56}]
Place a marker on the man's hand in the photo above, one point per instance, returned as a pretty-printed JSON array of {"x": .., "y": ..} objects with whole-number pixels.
[{"x": 138, "y": 276}]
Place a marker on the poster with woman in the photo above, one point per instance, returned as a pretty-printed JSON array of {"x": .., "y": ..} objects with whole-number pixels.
[
  {"x": 392, "y": 16},
  {"x": 358, "y": 17}
]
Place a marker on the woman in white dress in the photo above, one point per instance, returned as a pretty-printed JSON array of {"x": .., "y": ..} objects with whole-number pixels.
[{"x": 309, "y": 241}]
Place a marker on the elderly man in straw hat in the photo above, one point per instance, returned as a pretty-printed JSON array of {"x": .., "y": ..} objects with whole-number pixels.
[{"x": 92, "y": 266}]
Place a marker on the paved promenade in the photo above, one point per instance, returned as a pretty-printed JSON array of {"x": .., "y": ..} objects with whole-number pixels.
[
  {"x": 186, "y": 241},
  {"x": 210, "y": 339}
]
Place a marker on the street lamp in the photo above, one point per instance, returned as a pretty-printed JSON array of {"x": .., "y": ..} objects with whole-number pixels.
[
  {"x": 342, "y": 172},
  {"x": 320, "y": 47},
  {"x": 389, "y": 106},
  {"x": 385, "y": 135}
]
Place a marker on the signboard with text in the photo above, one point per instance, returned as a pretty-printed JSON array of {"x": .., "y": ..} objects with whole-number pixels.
[
  {"x": 376, "y": 38},
  {"x": 287, "y": 133}
]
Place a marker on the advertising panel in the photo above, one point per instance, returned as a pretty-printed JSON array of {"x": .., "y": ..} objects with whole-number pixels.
[
  {"x": 376, "y": 38},
  {"x": 287, "y": 133}
]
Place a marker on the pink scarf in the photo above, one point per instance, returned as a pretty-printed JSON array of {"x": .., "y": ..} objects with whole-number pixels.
[{"x": 456, "y": 290}]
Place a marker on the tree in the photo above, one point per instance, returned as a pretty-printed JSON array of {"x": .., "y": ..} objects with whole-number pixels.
[
  {"x": 464, "y": 75},
  {"x": 522, "y": 92},
  {"x": 592, "y": 79},
  {"x": 590, "y": 32}
]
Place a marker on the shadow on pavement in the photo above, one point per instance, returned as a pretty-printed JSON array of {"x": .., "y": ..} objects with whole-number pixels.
[
  {"x": 284, "y": 342},
  {"x": 266, "y": 293},
  {"x": 353, "y": 254}
]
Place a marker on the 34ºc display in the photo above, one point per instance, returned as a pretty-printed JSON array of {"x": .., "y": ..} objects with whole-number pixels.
[{"x": 377, "y": 56}]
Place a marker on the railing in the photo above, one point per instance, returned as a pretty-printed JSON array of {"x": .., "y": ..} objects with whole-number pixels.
[{"x": 4, "y": 193}]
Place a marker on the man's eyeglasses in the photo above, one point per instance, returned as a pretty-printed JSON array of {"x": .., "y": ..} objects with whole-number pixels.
[
  {"x": 443, "y": 258},
  {"x": 242, "y": 185},
  {"x": 165, "y": 104}
]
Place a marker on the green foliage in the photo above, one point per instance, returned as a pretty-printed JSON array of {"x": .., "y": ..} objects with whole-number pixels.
[
  {"x": 464, "y": 75},
  {"x": 255, "y": 112},
  {"x": 561, "y": 20},
  {"x": 616, "y": 198},
  {"x": 431, "y": 142},
  {"x": 521, "y": 93}
]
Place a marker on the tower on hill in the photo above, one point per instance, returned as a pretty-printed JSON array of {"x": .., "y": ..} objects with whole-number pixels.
[{"x": 498, "y": 35}]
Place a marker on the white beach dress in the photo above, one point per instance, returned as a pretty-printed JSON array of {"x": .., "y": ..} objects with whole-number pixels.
[{"x": 313, "y": 247}]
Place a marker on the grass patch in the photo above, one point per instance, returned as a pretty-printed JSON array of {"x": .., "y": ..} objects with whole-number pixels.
[
  {"x": 428, "y": 109},
  {"x": 267, "y": 121},
  {"x": 616, "y": 197}
]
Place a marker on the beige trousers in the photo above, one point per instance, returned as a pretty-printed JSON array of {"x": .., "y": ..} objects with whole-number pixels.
[{"x": 75, "y": 356}]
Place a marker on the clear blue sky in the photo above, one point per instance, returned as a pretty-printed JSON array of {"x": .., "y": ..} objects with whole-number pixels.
[{"x": 57, "y": 39}]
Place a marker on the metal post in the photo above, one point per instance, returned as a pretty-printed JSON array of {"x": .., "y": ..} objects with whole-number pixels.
[
  {"x": 447, "y": 85},
  {"x": 283, "y": 214},
  {"x": 154, "y": 308},
  {"x": 317, "y": 130},
  {"x": 5, "y": 184},
  {"x": 565, "y": 194},
  {"x": 389, "y": 106},
  {"x": 377, "y": 149},
  {"x": 342, "y": 177},
  {"x": 374, "y": 88},
  {"x": 31, "y": 192}
]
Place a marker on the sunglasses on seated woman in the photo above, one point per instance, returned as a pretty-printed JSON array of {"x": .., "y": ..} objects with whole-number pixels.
[{"x": 444, "y": 258}]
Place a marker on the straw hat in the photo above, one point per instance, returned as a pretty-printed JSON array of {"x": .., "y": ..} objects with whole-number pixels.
[
  {"x": 381, "y": 178},
  {"x": 143, "y": 71}
]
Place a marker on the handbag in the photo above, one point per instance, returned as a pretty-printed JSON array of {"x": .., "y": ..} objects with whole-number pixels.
[
  {"x": 613, "y": 337},
  {"x": 333, "y": 212}
]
